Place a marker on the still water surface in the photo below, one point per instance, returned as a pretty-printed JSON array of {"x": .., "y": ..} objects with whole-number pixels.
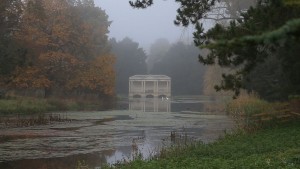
[{"x": 100, "y": 137}]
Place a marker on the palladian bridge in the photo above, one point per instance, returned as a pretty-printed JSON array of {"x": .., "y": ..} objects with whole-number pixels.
[{"x": 149, "y": 86}]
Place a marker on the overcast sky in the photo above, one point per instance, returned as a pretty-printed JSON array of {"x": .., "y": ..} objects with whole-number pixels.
[{"x": 144, "y": 25}]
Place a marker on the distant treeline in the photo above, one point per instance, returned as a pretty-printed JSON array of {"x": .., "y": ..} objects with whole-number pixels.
[{"x": 178, "y": 60}]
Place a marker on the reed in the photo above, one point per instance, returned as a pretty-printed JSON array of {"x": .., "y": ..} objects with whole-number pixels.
[{"x": 251, "y": 113}]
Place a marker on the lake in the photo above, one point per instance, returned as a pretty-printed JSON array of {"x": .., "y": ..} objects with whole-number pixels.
[{"x": 106, "y": 137}]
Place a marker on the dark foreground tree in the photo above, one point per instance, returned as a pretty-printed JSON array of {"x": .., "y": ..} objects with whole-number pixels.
[
  {"x": 271, "y": 28},
  {"x": 248, "y": 43}
]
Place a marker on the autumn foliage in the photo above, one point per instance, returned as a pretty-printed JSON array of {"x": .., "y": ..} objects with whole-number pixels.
[{"x": 66, "y": 48}]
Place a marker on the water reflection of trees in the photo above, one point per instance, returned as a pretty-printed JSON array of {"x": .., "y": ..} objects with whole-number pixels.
[{"x": 150, "y": 104}]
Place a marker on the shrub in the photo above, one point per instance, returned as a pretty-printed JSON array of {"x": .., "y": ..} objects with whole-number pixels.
[
  {"x": 245, "y": 108},
  {"x": 250, "y": 112}
]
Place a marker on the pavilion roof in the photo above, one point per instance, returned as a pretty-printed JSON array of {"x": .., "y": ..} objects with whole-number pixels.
[{"x": 149, "y": 77}]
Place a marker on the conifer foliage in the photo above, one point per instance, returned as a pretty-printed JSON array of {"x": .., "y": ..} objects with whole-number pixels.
[{"x": 245, "y": 41}]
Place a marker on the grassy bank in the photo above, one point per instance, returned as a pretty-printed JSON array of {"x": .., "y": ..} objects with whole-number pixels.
[
  {"x": 34, "y": 105},
  {"x": 267, "y": 137},
  {"x": 268, "y": 148}
]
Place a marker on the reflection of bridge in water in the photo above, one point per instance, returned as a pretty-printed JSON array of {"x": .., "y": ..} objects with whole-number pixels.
[
  {"x": 149, "y": 86},
  {"x": 149, "y": 105}
]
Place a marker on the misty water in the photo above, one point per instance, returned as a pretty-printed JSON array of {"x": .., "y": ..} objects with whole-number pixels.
[{"x": 100, "y": 137}]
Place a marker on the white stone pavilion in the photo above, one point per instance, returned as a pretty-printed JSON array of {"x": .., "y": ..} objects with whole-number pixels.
[{"x": 149, "y": 86}]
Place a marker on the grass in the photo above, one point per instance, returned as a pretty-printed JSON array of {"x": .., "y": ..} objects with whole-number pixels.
[
  {"x": 265, "y": 149},
  {"x": 256, "y": 143},
  {"x": 24, "y": 105}
]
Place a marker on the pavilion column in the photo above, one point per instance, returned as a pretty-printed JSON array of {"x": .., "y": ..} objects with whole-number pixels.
[
  {"x": 169, "y": 87},
  {"x": 144, "y": 86},
  {"x": 130, "y": 88},
  {"x": 156, "y": 88}
]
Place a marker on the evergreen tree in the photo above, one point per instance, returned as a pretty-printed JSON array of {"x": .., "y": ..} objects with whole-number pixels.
[{"x": 270, "y": 29}]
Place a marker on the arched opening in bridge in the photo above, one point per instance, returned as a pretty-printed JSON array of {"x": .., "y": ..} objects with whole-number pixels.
[
  {"x": 149, "y": 96},
  {"x": 137, "y": 96}
]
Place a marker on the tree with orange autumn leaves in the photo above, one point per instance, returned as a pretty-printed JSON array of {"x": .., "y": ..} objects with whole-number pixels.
[{"x": 67, "y": 48}]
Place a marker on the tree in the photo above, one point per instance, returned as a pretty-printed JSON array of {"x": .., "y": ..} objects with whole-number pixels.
[
  {"x": 66, "y": 41},
  {"x": 250, "y": 45},
  {"x": 12, "y": 53},
  {"x": 248, "y": 40},
  {"x": 180, "y": 63},
  {"x": 157, "y": 51},
  {"x": 10, "y": 15},
  {"x": 91, "y": 25},
  {"x": 130, "y": 60},
  {"x": 96, "y": 76},
  {"x": 190, "y": 12}
]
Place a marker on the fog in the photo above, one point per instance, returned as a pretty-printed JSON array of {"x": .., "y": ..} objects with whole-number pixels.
[
  {"x": 144, "y": 25},
  {"x": 92, "y": 83}
]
